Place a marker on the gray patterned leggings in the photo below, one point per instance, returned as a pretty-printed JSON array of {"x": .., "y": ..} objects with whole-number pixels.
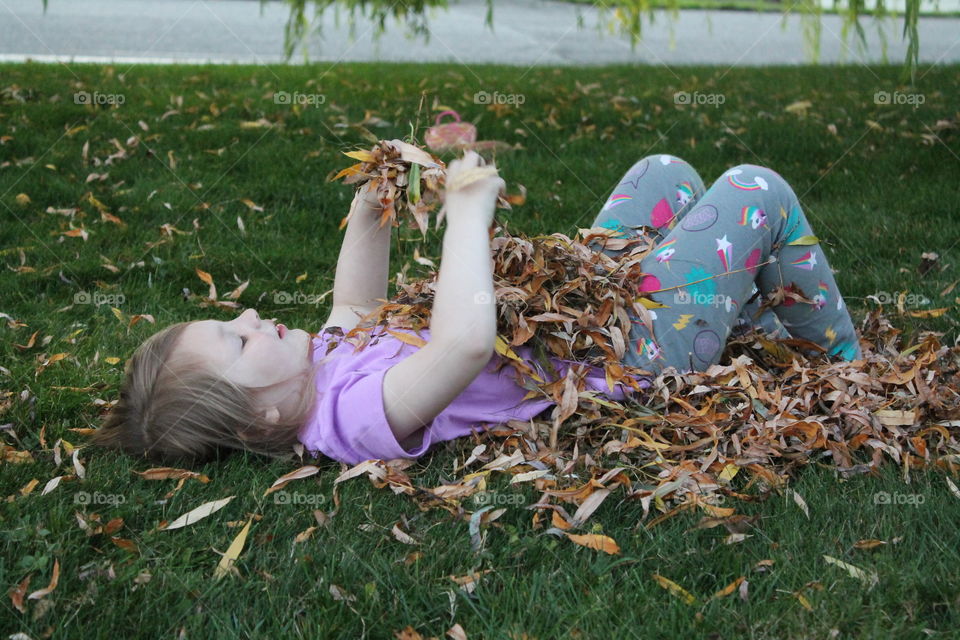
[{"x": 716, "y": 252}]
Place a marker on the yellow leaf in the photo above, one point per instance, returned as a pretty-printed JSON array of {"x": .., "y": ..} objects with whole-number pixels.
[
  {"x": 650, "y": 304},
  {"x": 504, "y": 349},
  {"x": 304, "y": 535},
  {"x": 407, "y": 338},
  {"x": 727, "y": 590},
  {"x": 251, "y": 204},
  {"x": 729, "y": 471},
  {"x": 675, "y": 589},
  {"x": 170, "y": 473},
  {"x": 362, "y": 155},
  {"x": 805, "y": 240},
  {"x": 233, "y": 552},
  {"x": 23, "y": 199},
  {"x": 206, "y": 277},
  {"x": 868, "y": 543},
  {"x": 96, "y": 203},
  {"x": 27, "y": 488},
  {"x": 349, "y": 171},
  {"x": 719, "y": 512},
  {"x": 777, "y": 350},
  {"x": 928, "y": 313},
  {"x": 596, "y": 541},
  {"x": 501, "y": 347},
  {"x": 111, "y": 360},
  {"x": 301, "y": 277},
  {"x": 118, "y": 314}
]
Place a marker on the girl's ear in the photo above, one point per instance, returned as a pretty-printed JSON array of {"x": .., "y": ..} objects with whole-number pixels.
[{"x": 272, "y": 415}]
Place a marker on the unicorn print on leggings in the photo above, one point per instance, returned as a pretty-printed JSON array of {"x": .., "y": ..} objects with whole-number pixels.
[
  {"x": 754, "y": 216},
  {"x": 745, "y": 234},
  {"x": 820, "y": 300},
  {"x": 666, "y": 250},
  {"x": 684, "y": 194}
]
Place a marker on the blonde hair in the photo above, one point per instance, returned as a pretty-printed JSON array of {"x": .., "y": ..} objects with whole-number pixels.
[{"x": 173, "y": 409}]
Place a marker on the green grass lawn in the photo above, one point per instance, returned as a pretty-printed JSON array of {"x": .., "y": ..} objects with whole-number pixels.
[{"x": 877, "y": 181}]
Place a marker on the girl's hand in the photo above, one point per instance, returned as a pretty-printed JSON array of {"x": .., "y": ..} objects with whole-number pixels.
[{"x": 472, "y": 188}]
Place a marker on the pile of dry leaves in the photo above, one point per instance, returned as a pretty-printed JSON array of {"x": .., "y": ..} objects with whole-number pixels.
[
  {"x": 409, "y": 182},
  {"x": 769, "y": 408}
]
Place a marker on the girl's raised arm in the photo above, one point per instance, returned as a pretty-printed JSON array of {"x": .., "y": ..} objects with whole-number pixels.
[{"x": 463, "y": 325}]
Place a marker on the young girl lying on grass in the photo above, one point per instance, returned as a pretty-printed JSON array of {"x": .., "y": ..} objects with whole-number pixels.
[{"x": 198, "y": 387}]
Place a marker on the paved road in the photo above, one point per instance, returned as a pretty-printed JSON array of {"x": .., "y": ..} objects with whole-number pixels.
[{"x": 526, "y": 32}]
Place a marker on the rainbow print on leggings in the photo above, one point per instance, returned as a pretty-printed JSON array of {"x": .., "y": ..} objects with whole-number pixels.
[
  {"x": 649, "y": 348},
  {"x": 746, "y": 186},
  {"x": 666, "y": 250},
  {"x": 724, "y": 249},
  {"x": 806, "y": 261},
  {"x": 616, "y": 199},
  {"x": 758, "y": 182}
]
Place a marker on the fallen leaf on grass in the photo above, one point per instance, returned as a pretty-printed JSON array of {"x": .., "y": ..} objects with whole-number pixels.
[
  {"x": 54, "y": 579},
  {"x": 171, "y": 473},
  {"x": 596, "y": 541},
  {"x": 52, "y": 484},
  {"x": 304, "y": 535},
  {"x": 401, "y": 535},
  {"x": 868, "y": 577},
  {"x": 17, "y": 594},
  {"x": 125, "y": 544},
  {"x": 953, "y": 488},
  {"x": 226, "y": 563},
  {"x": 868, "y": 543},
  {"x": 727, "y": 590},
  {"x": 803, "y": 601},
  {"x": 734, "y": 538},
  {"x": 340, "y": 594},
  {"x": 373, "y": 468},
  {"x": 469, "y": 581},
  {"x": 28, "y": 488},
  {"x": 456, "y": 632},
  {"x": 303, "y": 472},
  {"x": 800, "y": 502},
  {"x": 676, "y": 589},
  {"x": 195, "y": 515}
]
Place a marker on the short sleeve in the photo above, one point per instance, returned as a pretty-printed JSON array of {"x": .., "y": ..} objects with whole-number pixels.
[{"x": 352, "y": 425}]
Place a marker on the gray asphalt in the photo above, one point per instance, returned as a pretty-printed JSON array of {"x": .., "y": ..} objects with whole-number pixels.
[{"x": 526, "y": 32}]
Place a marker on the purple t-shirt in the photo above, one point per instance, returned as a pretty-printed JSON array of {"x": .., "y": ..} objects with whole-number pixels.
[{"x": 348, "y": 422}]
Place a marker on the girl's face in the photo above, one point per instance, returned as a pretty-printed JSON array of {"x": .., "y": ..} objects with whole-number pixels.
[{"x": 251, "y": 352}]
